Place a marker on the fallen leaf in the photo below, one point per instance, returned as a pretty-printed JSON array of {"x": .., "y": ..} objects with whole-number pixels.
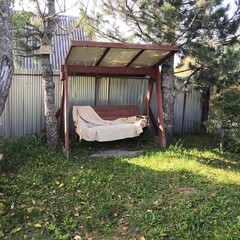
[
  {"x": 1, "y": 234},
  {"x": 29, "y": 210},
  {"x": 77, "y": 237},
  {"x": 15, "y": 230},
  {"x": 37, "y": 225}
]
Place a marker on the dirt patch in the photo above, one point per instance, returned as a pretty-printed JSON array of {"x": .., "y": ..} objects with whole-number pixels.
[
  {"x": 188, "y": 190},
  {"x": 117, "y": 153}
]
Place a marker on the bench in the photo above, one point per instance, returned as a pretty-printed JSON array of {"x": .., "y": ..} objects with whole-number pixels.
[
  {"x": 114, "y": 112},
  {"x": 92, "y": 123}
]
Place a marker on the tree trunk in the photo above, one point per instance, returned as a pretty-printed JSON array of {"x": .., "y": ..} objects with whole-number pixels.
[
  {"x": 48, "y": 84},
  {"x": 6, "y": 57},
  {"x": 168, "y": 98},
  {"x": 49, "y": 97},
  {"x": 205, "y": 107}
]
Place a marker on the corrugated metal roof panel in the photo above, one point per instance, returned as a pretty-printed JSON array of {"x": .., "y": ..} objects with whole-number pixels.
[{"x": 60, "y": 43}]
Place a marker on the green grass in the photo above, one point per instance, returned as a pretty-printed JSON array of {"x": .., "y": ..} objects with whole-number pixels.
[{"x": 189, "y": 191}]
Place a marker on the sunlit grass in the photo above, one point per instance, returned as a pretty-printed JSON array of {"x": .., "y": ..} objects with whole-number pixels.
[
  {"x": 189, "y": 191},
  {"x": 192, "y": 160}
]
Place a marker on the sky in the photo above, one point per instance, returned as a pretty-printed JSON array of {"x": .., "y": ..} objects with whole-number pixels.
[{"x": 72, "y": 5}]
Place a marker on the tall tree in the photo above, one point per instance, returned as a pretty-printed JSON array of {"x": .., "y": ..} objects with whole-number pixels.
[
  {"x": 47, "y": 76},
  {"x": 32, "y": 29},
  {"x": 200, "y": 27},
  {"x": 6, "y": 57}
]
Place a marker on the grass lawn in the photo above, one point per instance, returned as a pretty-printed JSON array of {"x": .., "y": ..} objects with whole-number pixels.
[{"x": 189, "y": 191}]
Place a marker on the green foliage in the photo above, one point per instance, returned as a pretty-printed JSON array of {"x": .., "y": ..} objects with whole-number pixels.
[
  {"x": 227, "y": 105},
  {"x": 21, "y": 18},
  {"x": 205, "y": 31},
  {"x": 46, "y": 197},
  {"x": 226, "y": 115},
  {"x": 85, "y": 22},
  {"x": 27, "y": 32}
]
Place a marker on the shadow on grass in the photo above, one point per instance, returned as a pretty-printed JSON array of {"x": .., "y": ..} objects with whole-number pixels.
[
  {"x": 221, "y": 161},
  {"x": 200, "y": 141},
  {"x": 143, "y": 142},
  {"x": 50, "y": 197},
  {"x": 205, "y": 142},
  {"x": 116, "y": 198}
]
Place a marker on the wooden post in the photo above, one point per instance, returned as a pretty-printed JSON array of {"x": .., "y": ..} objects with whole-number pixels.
[
  {"x": 148, "y": 97},
  {"x": 66, "y": 115},
  {"x": 160, "y": 108}
]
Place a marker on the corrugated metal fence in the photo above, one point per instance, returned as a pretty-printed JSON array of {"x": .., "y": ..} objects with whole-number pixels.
[{"x": 24, "y": 113}]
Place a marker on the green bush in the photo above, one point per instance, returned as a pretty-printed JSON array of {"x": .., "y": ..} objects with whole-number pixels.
[{"x": 225, "y": 118}]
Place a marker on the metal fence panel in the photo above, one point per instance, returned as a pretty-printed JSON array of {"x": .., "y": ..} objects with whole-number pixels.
[
  {"x": 128, "y": 91},
  {"x": 4, "y": 120},
  {"x": 188, "y": 118},
  {"x": 24, "y": 110}
]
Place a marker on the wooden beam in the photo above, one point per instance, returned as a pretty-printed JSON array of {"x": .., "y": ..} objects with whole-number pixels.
[
  {"x": 109, "y": 71},
  {"x": 148, "y": 97},
  {"x": 164, "y": 59},
  {"x": 102, "y": 57},
  {"x": 123, "y": 45},
  {"x": 135, "y": 57},
  {"x": 160, "y": 109},
  {"x": 155, "y": 126}
]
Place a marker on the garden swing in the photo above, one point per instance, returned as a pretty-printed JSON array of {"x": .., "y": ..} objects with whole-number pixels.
[{"x": 105, "y": 59}]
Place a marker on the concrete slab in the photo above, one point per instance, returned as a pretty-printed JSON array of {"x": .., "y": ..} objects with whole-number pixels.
[{"x": 117, "y": 153}]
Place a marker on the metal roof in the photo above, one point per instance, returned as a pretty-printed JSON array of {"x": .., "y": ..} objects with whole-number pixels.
[
  {"x": 119, "y": 55},
  {"x": 64, "y": 33}
]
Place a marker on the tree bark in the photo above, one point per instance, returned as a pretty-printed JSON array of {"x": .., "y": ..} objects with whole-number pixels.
[
  {"x": 49, "y": 99},
  {"x": 48, "y": 84},
  {"x": 205, "y": 107},
  {"x": 168, "y": 98},
  {"x": 6, "y": 56}
]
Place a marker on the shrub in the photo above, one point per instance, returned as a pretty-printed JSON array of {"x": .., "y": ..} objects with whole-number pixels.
[{"x": 225, "y": 119}]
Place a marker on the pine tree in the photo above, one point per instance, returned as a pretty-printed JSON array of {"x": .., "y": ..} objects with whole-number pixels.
[{"x": 201, "y": 28}]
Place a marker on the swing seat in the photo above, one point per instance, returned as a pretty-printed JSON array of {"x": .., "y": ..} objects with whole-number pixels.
[{"x": 107, "y": 123}]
